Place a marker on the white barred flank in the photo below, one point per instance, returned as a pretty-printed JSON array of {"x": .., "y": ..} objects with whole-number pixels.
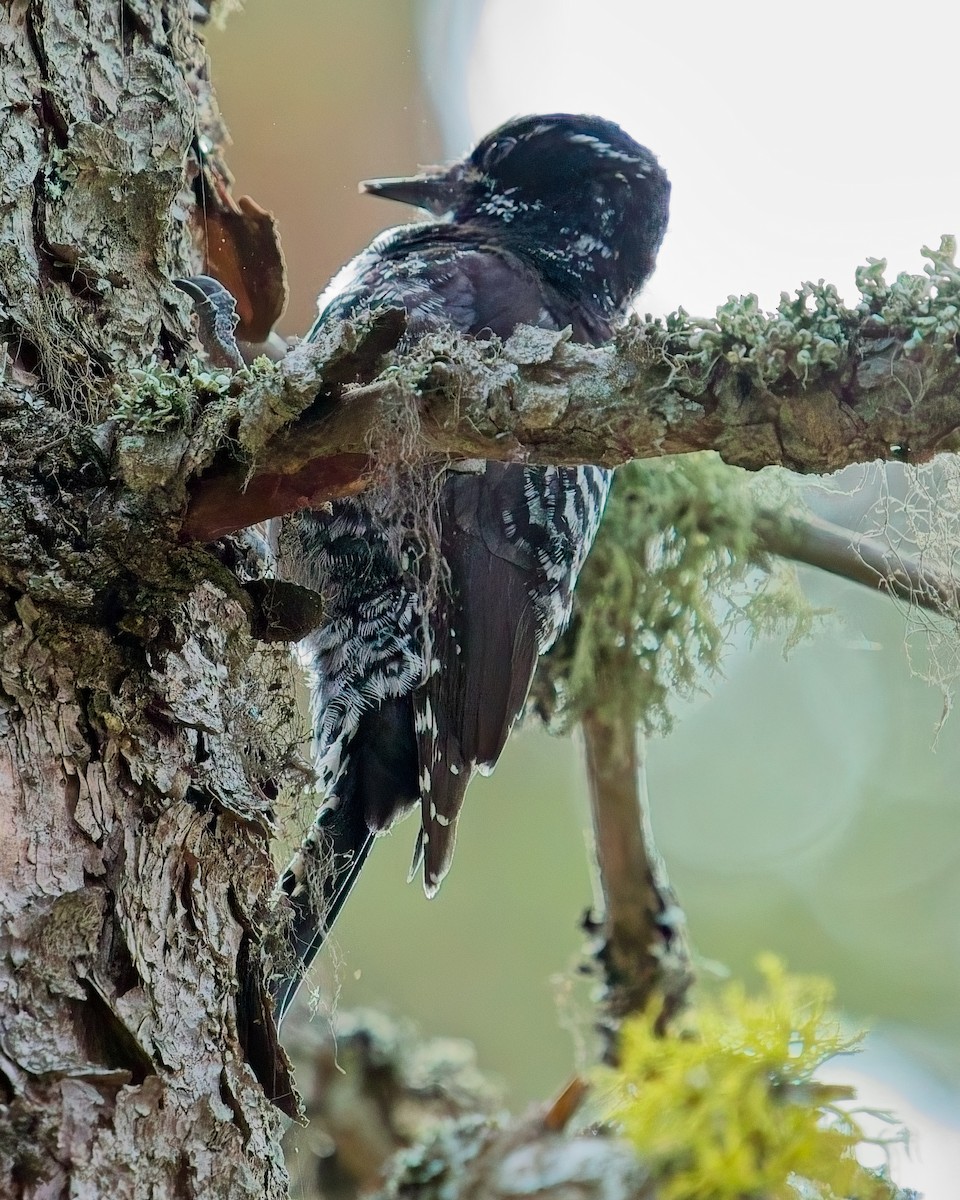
[
  {"x": 371, "y": 647},
  {"x": 557, "y": 524}
]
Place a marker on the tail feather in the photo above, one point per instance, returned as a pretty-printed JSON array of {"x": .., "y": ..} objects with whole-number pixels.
[
  {"x": 378, "y": 785},
  {"x": 317, "y": 882}
]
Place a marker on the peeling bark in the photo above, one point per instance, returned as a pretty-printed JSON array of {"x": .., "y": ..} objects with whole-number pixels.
[{"x": 146, "y": 737}]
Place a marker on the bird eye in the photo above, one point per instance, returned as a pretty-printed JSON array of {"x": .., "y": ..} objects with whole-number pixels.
[{"x": 497, "y": 151}]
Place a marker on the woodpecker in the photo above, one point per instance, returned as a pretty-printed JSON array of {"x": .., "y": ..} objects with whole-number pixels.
[{"x": 554, "y": 221}]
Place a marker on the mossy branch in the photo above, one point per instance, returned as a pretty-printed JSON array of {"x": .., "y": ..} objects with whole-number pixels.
[{"x": 814, "y": 386}]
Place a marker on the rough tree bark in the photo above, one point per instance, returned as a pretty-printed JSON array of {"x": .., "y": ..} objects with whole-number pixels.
[{"x": 141, "y": 750}]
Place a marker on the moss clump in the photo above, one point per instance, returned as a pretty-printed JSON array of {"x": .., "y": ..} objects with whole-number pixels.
[
  {"x": 728, "y": 1108},
  {"x": 156, "y": 399},
  {"x": 812, "y": 331},
  {"x": 661, "y": 591}
]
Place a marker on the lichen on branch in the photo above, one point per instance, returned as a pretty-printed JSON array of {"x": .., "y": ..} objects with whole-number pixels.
[
  {"x": 730, "y": 1106},
  {"x": 814, "y": 386}
]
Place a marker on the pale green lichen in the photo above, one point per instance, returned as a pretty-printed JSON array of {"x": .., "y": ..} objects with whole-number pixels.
[
  {"x": 809, "y": 330},
  {"x": 813, "y": 331},
  {"x": 172, "y": 423},
  {"x": 927, "y": 306},
  {"x": 436, "y": 1167},
  {"x": 156, "y": 398},
  {"x": 662, "y": 590},
  {"x": 728, "y": 1107}
]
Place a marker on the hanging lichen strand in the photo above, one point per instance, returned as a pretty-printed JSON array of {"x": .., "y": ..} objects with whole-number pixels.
[{"x": 664, "y": 587}]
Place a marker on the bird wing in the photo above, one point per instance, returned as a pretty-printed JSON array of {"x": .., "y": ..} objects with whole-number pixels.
[{"x": 484, "y": 647}]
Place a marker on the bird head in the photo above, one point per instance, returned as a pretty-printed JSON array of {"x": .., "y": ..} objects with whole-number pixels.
[{"x": 574, "y": 193}]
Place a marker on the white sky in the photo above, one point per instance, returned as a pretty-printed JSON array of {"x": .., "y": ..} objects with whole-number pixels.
[{"x": 800, "y": 140}]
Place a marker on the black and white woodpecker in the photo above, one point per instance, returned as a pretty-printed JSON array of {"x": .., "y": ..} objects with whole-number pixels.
[{"x": 552, "y": 221}]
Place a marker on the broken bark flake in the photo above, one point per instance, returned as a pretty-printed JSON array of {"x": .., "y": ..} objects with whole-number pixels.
[
  {"x": 192, "y": 877},
  {"x": 243, "y": 253},
  {"x": 530, "y": 344}
]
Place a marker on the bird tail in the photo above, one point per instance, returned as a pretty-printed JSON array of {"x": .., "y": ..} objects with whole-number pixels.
[{"x": 317, "y": 883}]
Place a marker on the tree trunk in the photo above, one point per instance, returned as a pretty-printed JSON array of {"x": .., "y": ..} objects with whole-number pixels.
[{"x": 146, "y": 736}]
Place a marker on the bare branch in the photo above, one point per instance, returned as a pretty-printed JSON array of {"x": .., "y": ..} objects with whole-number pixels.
[
  {"x": 807, "y": 538},
  {"x": 643, "y": 952}
]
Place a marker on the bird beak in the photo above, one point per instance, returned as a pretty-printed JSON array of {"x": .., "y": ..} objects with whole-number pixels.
[{"x": 436, "y": 193}]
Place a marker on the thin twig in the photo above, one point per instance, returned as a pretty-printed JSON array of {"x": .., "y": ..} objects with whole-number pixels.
[
  {"x": 643, "y": 952},
  {"x": 807, "y": 538}
]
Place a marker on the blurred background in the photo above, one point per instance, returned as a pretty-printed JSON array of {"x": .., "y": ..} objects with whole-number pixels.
[{"x": 804, "y": 804}]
